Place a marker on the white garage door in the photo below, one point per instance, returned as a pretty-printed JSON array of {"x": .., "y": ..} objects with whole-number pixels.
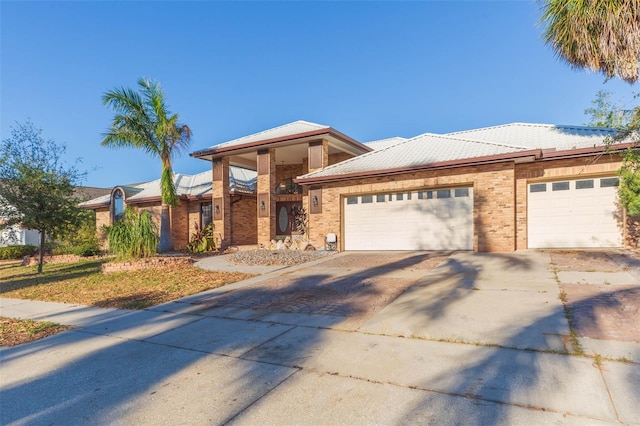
[
  {"x": 420, "y": 220},
  {"x": 574, "y": 213}
]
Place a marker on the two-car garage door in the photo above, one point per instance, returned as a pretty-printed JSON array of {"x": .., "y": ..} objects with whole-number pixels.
[
  {"x": 439, "y": 219},
  {"x": 573, "y": 213}
]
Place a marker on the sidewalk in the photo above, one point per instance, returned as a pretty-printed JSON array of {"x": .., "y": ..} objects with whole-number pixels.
[{"x": 185, "y": 363}]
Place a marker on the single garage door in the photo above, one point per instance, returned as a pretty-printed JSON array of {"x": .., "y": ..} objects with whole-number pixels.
[
  {"x": 412, "y": 220},
  {"x": 574, "y": 213}
]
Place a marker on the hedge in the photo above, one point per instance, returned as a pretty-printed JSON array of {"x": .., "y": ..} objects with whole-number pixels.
[{"x": 17, "y": 252}]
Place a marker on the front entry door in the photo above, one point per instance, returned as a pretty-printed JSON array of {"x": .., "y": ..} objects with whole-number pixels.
[{"x": 285, "y": 216}]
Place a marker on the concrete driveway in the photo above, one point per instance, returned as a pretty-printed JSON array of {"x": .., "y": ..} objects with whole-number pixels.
[{"x": 355, "y": 338}]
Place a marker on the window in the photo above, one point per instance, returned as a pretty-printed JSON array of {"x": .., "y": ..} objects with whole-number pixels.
[
  {"x": 560, "y": 186},
  {"x": 443, "y": 193},
  {"x": 205, "y": 215},
  {"x": 462, "y": 192},
  {"x": 366, "y": 199},
  {"x": 118, "y": 205},
  {"x": 584, "y": 184},
  {"x": 399, "y": 196},
  {"x": 538, "y": 187},
  {"x": 429, "y": 195},
  {"x": 352, "y": 200},
  {"x": 609, "y": 182},
  {"x": 380, "y": 198}
]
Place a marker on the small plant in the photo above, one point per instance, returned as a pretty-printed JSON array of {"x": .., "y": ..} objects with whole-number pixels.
[
  {"x": 135, "y": 236},
  {"x": 300, "y": 219},
  {"x": 202, "y": 240}
]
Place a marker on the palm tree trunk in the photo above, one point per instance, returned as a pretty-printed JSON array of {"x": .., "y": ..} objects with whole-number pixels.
[{"x": 166, "y": 241}]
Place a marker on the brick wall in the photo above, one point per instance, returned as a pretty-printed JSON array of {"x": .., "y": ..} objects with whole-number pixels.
[
  {"x": 244, "y": 220},
  {"x": 606, "y": 165},
  {"x": 180, "y": 225},
  {"x": 103, "y": 218},
  {"x": 494, "y": 215}
]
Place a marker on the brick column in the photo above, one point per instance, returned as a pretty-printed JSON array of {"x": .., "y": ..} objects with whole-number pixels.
[
  {"x": 318, "y": 155},
  {"x": 266, "y": 205},
  {"x": 221, "y": 200}
]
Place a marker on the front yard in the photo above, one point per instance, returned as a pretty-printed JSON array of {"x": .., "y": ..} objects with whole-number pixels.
[{"x": 84, "y": 283}]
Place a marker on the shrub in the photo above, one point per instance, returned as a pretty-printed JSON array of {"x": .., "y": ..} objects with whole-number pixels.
[
  {"x": 202, "y": 240},
  {"x": 135, "y": 236},
  {"x": 82, "y": 241},
  {"x": 17, "y": 252}
]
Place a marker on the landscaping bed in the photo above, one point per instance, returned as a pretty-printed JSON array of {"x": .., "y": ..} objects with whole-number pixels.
[{"x": 276, "y": 257}]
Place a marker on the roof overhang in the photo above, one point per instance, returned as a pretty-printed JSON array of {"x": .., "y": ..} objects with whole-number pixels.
[
  {"x": 522, "y": 156},
  {"x": 335, "y": 138}
]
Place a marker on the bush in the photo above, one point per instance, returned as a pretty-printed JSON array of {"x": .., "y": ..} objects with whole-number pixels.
[
  {"x": 135, "y": 236},
  {"x": 202, "y": 240},
  {"x": 82, "y": 241},
  {"x": 17, "y": 252}
]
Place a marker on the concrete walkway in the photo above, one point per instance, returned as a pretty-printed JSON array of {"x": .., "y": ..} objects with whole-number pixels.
[{"x": 477, "y": 340}]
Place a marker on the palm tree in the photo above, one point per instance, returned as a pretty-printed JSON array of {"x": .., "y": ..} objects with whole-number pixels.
[
  {"x": 143, "y": 121},
  {"x": 601, "y": 35}
]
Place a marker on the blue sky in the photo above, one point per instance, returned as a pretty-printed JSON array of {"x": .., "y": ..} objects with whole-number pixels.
[{"x": 368, "y": 69}]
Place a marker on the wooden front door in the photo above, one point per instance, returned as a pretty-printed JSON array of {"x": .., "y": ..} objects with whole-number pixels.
[{"x": 285, "y": 217}]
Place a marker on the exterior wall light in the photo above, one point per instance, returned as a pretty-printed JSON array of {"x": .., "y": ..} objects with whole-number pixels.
[
  {"x": 314, "y": 201},
  {"x": 217, "y": 209},
  {"x": 263, "y": 206}
]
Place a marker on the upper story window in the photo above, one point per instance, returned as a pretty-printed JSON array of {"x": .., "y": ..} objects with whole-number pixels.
[
  {"x": 118, "y": 205},
  {"x": 288, "y": 186}
]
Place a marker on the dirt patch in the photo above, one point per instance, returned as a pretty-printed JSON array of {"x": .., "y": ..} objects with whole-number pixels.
[
  {"x": 15, "y": 331},
  {"x": 389, "y": 260},
  {"x": 585, "y": 261},
  {"x": 344, "y": 296},
  {"x": 604, "y": 312}
]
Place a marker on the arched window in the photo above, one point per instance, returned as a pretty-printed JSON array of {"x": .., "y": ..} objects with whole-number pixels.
[
  {"x": 118, "y": 205},
  {"x": 288, "y": 186}
]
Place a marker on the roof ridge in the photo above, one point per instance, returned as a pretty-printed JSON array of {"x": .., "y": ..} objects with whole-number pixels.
[
  {"x": 519, "y": 123},
  {"x": 448, "y": 136},
  {"x": 319, "y": 126}
]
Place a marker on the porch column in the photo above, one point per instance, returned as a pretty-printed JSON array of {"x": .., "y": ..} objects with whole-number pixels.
[
  {"x": 318, "y": 155},
  {"x": 266, "y": 205},
  {"x": 221, "y": 200}
]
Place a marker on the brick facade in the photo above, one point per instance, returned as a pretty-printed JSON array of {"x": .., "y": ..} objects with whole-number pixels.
[
  {"x": 494, "y": 215},
  {"x": 244, "y": 221}
]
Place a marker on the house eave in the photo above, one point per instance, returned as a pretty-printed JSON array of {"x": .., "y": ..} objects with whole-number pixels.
[
  {"x": 466, "y": 162},
  {"x": 214, "y": 152}
]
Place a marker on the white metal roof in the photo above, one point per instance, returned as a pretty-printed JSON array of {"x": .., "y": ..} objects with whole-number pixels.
[
  {"x": 384, "y": 143},
  {"x": 289, "y": 129},
  {"x": 424, "y": 149},
  {"x": 542, "y": 136},
  {"x": 240, "y": 180}
]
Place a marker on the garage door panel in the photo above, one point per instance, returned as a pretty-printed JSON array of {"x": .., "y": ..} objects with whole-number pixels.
[
  {"x": 414, "y": 222},
  {"x": 578, "y": 217}
]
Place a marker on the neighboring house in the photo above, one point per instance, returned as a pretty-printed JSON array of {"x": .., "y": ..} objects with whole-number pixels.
[
  {"x": 16, "y": 235},
  {"x": 194, "y": 207},
  {"x": 500, "y": 188}
]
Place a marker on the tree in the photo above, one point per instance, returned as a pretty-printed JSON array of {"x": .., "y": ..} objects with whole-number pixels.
[
  {"x": 36, "y": 186},
  {"x": 142, "y": 120},
  {"x": 600, "y": 35},
  {"x": 605, "y": 112}
]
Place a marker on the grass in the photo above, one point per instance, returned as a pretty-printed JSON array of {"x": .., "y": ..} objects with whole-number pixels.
[
  {"x": 15, "y": 332},
  {"x": 83, "y": 283}
]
